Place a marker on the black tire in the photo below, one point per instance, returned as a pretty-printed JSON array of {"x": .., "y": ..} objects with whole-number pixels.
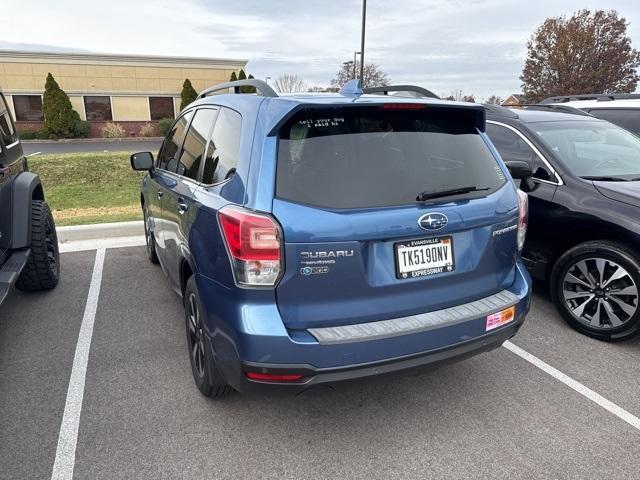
[
  {"x": 42, "y": 271},
  {"x": 203, "y": 364},
  {"x": 592, "y": 294},
  {"x": 149, "y": 239}
]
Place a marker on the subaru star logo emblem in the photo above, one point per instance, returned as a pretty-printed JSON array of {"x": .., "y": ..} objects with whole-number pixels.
[{"x": 433, "y": 221}]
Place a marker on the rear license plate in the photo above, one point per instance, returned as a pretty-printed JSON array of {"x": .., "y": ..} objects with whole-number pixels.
[{"x": 425, "y": 257}]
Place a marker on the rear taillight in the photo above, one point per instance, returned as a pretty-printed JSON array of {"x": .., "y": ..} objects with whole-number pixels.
[
  {"x": 523, "y": 218},
  {"x": 254, "y": 242}
]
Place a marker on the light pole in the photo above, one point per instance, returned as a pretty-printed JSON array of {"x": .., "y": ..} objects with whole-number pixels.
[
  {"x": 364, "y": 17},
  {"x": 355, "y": 62}
]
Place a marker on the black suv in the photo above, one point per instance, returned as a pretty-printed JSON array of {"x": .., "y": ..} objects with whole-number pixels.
[
  {"x": 28, "y": 244},
  {"x": 584, "y": 207}
]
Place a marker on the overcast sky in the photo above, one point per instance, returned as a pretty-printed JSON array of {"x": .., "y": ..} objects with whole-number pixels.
[{"x": 475, "y": 45}]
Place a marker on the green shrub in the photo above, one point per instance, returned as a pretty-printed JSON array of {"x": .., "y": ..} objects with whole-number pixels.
[
  {"x": 60, "y": 119},
  {"x": 81, "y": 129},
  {"x": 113, "y": 130},
  {"x": 28, "y": 134},
  {"x": 164, "y": 125},
  {"x": 188, "y": 94}
]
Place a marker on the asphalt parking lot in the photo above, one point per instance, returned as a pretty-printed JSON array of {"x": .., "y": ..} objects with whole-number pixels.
[{"x": 496, "y": 415}]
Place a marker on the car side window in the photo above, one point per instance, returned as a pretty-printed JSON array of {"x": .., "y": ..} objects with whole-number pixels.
[
  {"x": 167, "y": 158},
  {"x": 7, "y": 132},
  {"x": 512, "y": 146},
  {"x": 194, "y": 143},
  {"x": 221, "y": 159},
  {"x": 628, "y": 118}
]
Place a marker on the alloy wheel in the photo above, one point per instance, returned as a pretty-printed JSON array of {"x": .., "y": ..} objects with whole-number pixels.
[
  {"x": 51, "y": 245},
  {"x": 196, "y": 335},
  {"x": 600, "y": 293}
]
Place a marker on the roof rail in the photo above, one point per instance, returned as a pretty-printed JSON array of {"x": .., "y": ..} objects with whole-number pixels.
[
  {"x": 261, "y": 87},
  {"x": 500, "y": 110},
  {"x": 557, "y": 107},
  {"x": 600, "y": 97},
  {"x": 418, "y": 91}
]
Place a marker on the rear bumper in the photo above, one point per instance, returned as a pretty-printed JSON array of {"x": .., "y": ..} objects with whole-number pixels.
[
  {"x": 318, "y": 377},
  {"x": 253, "y": 338}
]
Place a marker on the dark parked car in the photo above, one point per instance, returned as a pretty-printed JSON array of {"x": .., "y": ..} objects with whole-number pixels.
[
  {"x": 28, "y": 243},
  {"x": 322, "y": 238},
  {"x": 621, "y": 109},
  {"x": 584, "y": 211}
]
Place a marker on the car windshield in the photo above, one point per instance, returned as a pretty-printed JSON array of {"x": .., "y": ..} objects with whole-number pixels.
[
  {"x": 593, "y": 149},
  {"x": 364, "y": 157}
]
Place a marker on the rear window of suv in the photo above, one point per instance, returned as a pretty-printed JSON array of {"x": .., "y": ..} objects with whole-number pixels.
[{"x": 365, "y": 157}]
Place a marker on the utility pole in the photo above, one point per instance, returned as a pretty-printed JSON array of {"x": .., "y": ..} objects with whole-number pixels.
[{"x": 364, "y": 17}]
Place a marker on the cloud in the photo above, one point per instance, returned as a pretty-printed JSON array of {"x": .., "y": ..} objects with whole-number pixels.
[{"x": 474, "y": 45}]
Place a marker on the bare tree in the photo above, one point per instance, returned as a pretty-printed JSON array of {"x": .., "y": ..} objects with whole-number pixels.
[
  {"x": 586, "y": 53},
  {"x": 318, "y": 89},
  {"x": 494, "y": 100},
  {"x": 458, "y": 96},
  {"x": 289, "y": 83},
  {"x": 373, "y": 76}
]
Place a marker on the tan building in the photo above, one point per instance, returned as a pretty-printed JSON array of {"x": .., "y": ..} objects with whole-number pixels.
[
  {"x": 128, "y": 89},
  {"x": 514, "y": 100}
]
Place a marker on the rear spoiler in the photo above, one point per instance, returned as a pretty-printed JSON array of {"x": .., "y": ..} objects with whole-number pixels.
[{"x": 477, "y": 110}]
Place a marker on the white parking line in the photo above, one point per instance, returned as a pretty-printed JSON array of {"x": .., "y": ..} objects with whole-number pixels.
[
  {"x": 94, "y": 244},
  {"x": 575, "y": 385},
  {"x": 68, "y": 438}
]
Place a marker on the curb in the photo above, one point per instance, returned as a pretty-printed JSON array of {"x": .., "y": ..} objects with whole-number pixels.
[
  {"x": 100, "y": 231},
  {"x": 97, "y": 140}
]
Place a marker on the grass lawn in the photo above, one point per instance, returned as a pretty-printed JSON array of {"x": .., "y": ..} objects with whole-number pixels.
[{"x": 94, "y": 187}]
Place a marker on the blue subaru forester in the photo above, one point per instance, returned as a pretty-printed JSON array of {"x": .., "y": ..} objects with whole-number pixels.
[{"x": 321, "y": 238}]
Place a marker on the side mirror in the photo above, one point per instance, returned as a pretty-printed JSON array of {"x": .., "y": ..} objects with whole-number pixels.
[
  {"x": 142, "y": 161},
  {"x": 519, "y": 169}
]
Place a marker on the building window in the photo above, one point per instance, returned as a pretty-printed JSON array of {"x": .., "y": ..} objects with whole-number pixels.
[
  {"x": 98, "y": 109},
  {"x": 28, "y": 108},
  {"x": 161, "y": 107}
]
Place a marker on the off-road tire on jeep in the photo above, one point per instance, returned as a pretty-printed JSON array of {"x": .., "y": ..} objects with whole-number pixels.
[
  {"x": 42, "y": 270},
  {"x": 203, "y": 363}
]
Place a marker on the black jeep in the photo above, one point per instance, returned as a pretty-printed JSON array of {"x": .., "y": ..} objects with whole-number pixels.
[{"x": 28, "y": 243}]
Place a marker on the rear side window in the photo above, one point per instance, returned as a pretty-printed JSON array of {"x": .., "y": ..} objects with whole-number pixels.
[
  {"x": 194, "y": 143},
  {"x": 222, "y": 153},
  {"x": 167, "y": 158},
  {"x": 513, "y": 147},
  {"x": 7, "y": 132},
  {"x": 354, "y": 157},
  {"x": 628, "y": 118}
]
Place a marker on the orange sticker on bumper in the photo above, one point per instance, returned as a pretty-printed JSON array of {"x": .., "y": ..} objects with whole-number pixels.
[{"x": 501, "y": 318}]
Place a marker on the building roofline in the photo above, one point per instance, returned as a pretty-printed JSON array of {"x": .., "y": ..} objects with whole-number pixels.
[{"x": 71, "y": 57}]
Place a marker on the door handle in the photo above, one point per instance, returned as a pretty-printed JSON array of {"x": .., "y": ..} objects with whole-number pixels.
[
  {"x": 160, "y": 193},
  {"x": 182, "y": 206}
]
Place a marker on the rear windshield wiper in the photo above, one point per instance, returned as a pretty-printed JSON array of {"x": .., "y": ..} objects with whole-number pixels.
[
  {"x": 604, "y": 178},
  {"x": 426, "y": 195}
]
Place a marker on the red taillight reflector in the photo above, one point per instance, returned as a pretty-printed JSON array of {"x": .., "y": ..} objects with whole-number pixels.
[
  {"x": 250, "y": 236},
  {"x": 273, "y": 377},
  {"x": 403, "y": 106}
]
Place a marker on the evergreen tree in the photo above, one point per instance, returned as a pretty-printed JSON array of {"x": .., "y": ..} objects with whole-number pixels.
[
  {"x": 234, "y": 77},
  {"x": 250, "y": 89},
  {"x": 60, "y": 119},
  {"x": 188, "y": 94}
]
